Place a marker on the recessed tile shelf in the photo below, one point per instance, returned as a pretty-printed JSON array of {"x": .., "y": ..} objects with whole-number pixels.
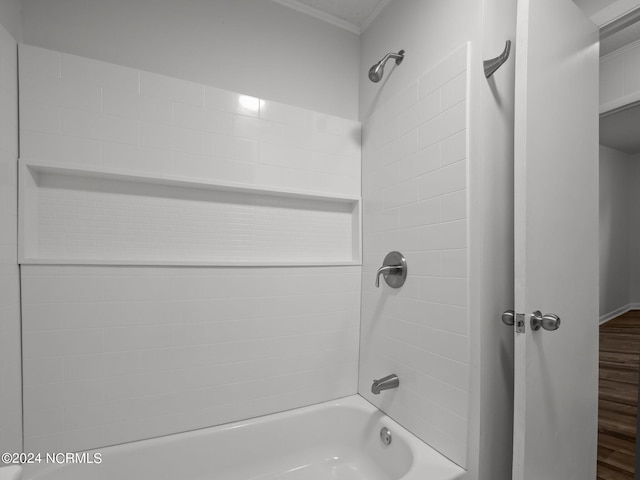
[{"x": 79, "y": 215}]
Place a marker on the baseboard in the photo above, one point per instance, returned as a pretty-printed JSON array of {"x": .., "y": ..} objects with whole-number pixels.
[{"x": 618, "y": 311}]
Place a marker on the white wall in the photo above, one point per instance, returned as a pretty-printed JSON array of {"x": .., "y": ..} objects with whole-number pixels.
[
  {"x": 617, "y": 212},
  {"x": 115, "y": 354},
  {"x": 254, "y": 47},
  {"x": 10, "y": 363}
]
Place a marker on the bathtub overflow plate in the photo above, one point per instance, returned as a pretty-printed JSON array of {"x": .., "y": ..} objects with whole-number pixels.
[{"x": 385, "y": 435}]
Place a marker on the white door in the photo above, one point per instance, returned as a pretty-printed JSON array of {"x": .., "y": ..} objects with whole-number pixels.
[{"x": 556, "y": 241}]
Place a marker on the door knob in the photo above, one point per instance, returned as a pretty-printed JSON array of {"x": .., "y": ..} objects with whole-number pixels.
[
  {"x": 509, "y": 318},
  {"x": 549, "y": 322}
]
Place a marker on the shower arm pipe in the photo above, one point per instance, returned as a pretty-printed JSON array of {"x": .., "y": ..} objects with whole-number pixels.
[{"x": 397, "y": 56}]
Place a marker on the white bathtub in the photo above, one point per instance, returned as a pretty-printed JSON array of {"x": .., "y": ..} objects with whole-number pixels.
[{"x": 337, "y": 440}]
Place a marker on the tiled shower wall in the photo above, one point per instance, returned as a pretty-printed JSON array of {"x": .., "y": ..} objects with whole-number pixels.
[
  {"x": 115, "y": 354},
  {"x": 10, "y": 396},
  {"x": 414, "y": 183}
]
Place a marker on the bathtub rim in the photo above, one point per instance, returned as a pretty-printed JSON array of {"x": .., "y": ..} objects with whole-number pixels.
[{"x": 424, "y": 456}]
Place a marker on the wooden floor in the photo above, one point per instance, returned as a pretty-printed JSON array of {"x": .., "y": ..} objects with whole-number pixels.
[{"x": 618, "y": 396}]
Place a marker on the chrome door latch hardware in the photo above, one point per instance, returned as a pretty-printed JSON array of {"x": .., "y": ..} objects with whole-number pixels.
[
  {"x": 549, "y": 322},
  {"x": 510, "y": 318}
]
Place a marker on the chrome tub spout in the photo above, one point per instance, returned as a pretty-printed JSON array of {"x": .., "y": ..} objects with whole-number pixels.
[{"x": 390, "y": 381}]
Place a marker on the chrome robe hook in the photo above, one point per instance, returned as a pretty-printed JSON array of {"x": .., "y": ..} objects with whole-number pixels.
[{"x": 490, "y": 66}]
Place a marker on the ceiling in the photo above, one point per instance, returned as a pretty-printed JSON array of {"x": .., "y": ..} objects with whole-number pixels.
[
  {"x": 356, "y": 15},
  {"x": 352, "y": 15}
]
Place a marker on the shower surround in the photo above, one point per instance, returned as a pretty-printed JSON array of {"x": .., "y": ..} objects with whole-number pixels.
[
  {"x": 414, "y": 190},
  {"x": 122, "y": 351},
  {"x": 119, "y": 353}
]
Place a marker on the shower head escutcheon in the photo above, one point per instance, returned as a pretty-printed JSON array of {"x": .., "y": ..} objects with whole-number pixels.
[{"x": 375, "y": 72}]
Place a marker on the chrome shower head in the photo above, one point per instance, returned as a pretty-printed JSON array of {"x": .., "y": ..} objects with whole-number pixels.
[{"x": 376, "y": 71}]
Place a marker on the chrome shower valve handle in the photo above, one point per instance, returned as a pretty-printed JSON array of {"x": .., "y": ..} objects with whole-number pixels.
[{"x": 393, "y": 270}]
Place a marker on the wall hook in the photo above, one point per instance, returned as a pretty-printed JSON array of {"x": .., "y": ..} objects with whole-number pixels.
[{"x": 490, "y": 66}]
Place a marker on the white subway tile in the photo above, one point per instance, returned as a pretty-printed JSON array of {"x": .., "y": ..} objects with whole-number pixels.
[
  {"x": 280, "y": 155},
  {"x": 444, "y": 125},
  {"x": 448, "y": 69},
  {"x": 424, "y": 110},
  {"x": 426, "y": 263},
  {"x": 400, "y": 148},
  {"x": 266, "y": 131},
  {"x": 169, "y": 88},
  {"x": 62, "y": 93},
  {"x": 335, "y": 145},
  {"x": 44, "y": 421},
  {"x": 222, "y": 146},
  {"x": 283, "y": 113},
  {"x": 447, "y": 370},
  {"x": 43, "y": 146},
  {"x": 111, "y": 334},
  {"x": 454, "y": 92},
  {"x": 40, "y": 289},
  {"x": 137, "y": 107},
  {"x": 156, "y": 110},
  {"x": 417, "y": 214},
  {"x": 332, "y": 164},
  {"x": 454, "y": 263},
  {"x": 189, "y": 141},
  {"x": 158, "y": 136},
  {"x": 451, "y": 291},
  {"x": 419, "y": 163},
  {"x": 45, "y": 370},
  {"x": 391, "y": 130},
  {"x": 140, "y": 159},
  {"x": 401, "y": 102},
  {"x": 99, "y": 126},
  {"x": 227, "y": 101},
  {"x": 199, "y": 118},
  {"x": 214, "y": 168},
  {"x": 443, "y": 236},
  {"x": 400, "y": 194},
  {"x": 57, "y": 343},
  {"x": 41, "y": 316},
  {"x": 40, "y": 117},
  {"x": 448, "y": 179},
  {"x": 454, "y": 148},
  {"x": 334, "y": 125},
  {"x": 137, "y": 338},
  {"x": 137, "y": 288},
  {"x": 454, "y": 206},
  {"x": 445, "y": 344}
]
